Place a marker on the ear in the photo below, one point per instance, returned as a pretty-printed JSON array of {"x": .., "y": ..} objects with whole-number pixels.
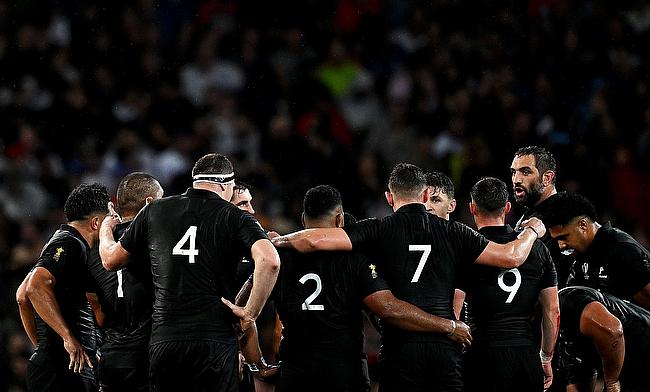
[
  {"x": 148, "y": 200},
  {"x": 583, "y": 224},
  {"x": 339, "y": 220},
  {"x": 426, "y": 194},
  {"x": 452, "y": 206},
  {"x": 95, "y": 222},
  {"x": 389, "y": 198},
  {"x": 548, "y": 177},
  {"x": 507, "y": 208},
  {"x": 472, "y": 208}
]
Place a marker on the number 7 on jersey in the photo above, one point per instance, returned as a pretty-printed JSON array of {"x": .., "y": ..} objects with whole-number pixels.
[{"x": 426, "y": 251}]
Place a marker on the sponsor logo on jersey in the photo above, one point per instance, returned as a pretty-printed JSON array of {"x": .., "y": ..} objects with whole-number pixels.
[
  {"x": 57, "y": 255},
  {"x": 373, "y": 271}
]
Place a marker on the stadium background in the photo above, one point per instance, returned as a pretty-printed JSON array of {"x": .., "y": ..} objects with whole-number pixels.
[{"x": 305, "y": 92}]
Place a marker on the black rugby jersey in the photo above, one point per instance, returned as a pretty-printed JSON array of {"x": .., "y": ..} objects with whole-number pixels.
[
  {"x": 319, "y": 297},
  {"x": 562, "y": 262},
  {"x": 418, "y": 255},
  {"x": 126, "y": 297},
  {"x": 194, "y": 242},
  {"x": 503, "y": 300},
  {"x": 64, "y": 256},
  {"x": 577, "y": 352},
  {"x": 614, "y": 263}
]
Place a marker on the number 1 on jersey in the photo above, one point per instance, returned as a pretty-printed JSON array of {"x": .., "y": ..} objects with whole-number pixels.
[
  {"x": 192, "y": 252},
  {"x": 426, "y": 250}
]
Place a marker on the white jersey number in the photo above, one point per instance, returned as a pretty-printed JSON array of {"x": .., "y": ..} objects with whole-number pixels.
[
  {"x": 512, "y": 290},
  {"x": 120, "y": 289},
  {"x": 307, "y": 305},
  {"x": 192, "y": 252},
  {"x": 426, "y": 251}
]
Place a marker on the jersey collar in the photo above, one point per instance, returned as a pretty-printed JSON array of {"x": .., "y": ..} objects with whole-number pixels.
[
  {"x": 412, "y": 208},
  {"x": 201, "y": 193},
  {"x": 75, "y": 233},
  {"x": 495, "y": 230}
]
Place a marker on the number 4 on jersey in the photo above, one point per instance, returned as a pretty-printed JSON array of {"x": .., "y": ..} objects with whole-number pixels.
[{"x": 192, "y": 252}]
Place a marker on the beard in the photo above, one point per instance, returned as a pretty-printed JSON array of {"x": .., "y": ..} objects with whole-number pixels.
[{"x": 531, "y": 196}]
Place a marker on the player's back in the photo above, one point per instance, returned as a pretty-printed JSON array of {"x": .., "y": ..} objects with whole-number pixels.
[
  {"x": 419, "y": 255},
  {"x": 504, "y": 299},
  {"x": 320, "y": 301},
  {"x": 194, "y": 242}
]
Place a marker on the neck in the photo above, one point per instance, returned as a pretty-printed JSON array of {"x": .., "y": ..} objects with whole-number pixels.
[
  {"x": 208, "y": 186},
  {"x": 548, "y": 192},
  {"x": 319, "y": 223},
  {"x": 86, "y": 233},
  {"x": 485, "y": 221},
  {"x": 399, "y": 203}
]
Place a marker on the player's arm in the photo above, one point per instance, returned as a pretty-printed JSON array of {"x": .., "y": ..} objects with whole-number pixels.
[
  {"x": 97, "y": 308},
  {"x": 310, "y": 240},
  {"x": 40, "y": 291},
  {"x": 459, "y": 300},
  {"x": 26, "y": 311},
  {"x": 267, "y": 267},
  {"x": 606, "y": 331},
  {"x": 514, "y": 253},
  {"x": 113, "y": 255},
  {"x": 409, "y": 317},
  {"x": 550, "y": 304}
]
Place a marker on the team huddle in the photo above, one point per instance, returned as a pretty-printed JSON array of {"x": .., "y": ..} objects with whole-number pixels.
[{"x": 166, "y": 294}]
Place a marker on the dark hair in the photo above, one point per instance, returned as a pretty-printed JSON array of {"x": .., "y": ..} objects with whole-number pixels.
[
  {"x": 544, "y": 160},
  {"x": 212, "y": 164},
  {"x": 84, "y": 200},
  {"x": 565, "y": 206},
  {"x": 133, "y": 190},
  {"x": 407, "y": 180},
  {"x": 490, "y": 195},
  {"x": 320, "y": 201},
  {"x": 240, "y": 186},
  {"x": 440, "y": 182}
]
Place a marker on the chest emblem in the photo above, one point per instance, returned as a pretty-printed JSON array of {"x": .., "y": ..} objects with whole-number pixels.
[
  {"x": 373, "y": 271},
  {"x": 57, "y": 254},
  {"x": 585, "y": 270}
]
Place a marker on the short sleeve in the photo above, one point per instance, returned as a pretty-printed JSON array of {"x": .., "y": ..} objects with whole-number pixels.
[
  {"x": 135, "y": 236},
  {"x": 368, "y": 280},
  {"x": 630, "y": 268},
  {"x": 250, "y": 231},
  {"x": 57, "y": 257},
  {"x": 549, "y": 275},
  {"x": 471, "y": 242},
  {"x": 572, "y": 304},
  {"x": 364, "y": 232}
]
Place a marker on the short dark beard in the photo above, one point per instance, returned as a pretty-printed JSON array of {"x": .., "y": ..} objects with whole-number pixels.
[{"x": 531, "y": 198}]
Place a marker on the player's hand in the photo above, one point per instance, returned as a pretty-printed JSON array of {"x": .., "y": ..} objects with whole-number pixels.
[
  {"x": 548, "y": 374},
  {"x": 113, "y": 218},
  {"x": 262, "y": 369},
  {"x": 462, "y": 334},
  {"x": 536, "y": 224},
  {"x": 272, "y": 234},
  {"x": 612, "y": 386},
  {"x": 246, "y": 319},
  {"x": 78, "y": 356}
]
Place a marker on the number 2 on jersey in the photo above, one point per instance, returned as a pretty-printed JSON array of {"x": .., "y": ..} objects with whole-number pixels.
[
  {"x": 512, "y": 290},
  {"x": 192, "y": 252},
  {"x": 426, "y": 251},
  {"x": 319, "y": 286}
]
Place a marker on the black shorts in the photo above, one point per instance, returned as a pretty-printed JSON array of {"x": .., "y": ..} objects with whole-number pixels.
[
  {"x": 47, "y": 373},
  {"x": 324, "y": 373},
  {"x": 503, "y": 369},
  {"x": 420, "y": 366},
  {"x": 194, "y": 366},
  {"x": 635, "y": 376},
  {"x": 123, "y": 370}
]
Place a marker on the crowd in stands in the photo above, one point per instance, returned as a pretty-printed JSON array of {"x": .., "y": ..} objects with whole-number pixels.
[{"x": 305, "y": 92}]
